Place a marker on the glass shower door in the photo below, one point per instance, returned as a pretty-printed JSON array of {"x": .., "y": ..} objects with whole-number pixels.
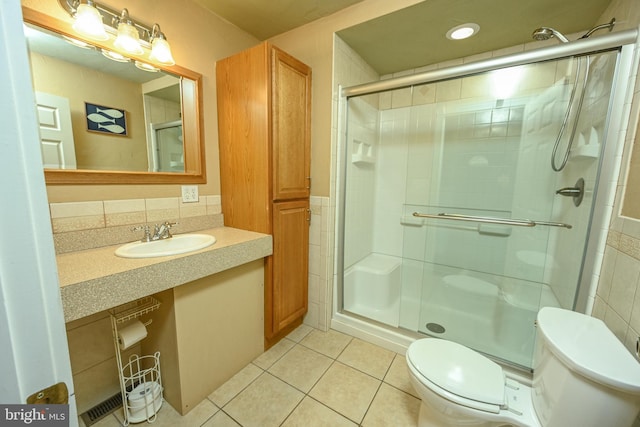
[
  {"x": 483, "y": 277},
  {"x": 491, "y": 241}
]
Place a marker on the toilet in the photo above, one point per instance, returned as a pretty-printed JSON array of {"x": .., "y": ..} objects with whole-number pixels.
[{"x": 583, "y": 376}]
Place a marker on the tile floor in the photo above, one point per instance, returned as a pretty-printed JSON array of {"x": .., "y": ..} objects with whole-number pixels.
[{"x": 311, "y": 378}]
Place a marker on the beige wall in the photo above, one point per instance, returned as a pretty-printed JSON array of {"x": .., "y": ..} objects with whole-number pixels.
[
  {"x": 313, "y": 44},
  {"x": 198, "y": 38},
  {"x": 79, "y": 85}
]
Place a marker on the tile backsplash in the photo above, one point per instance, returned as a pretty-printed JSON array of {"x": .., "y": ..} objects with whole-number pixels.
[{"x": 85, "y": 225}]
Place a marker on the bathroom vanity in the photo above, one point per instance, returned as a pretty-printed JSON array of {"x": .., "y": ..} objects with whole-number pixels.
[{"x": 210, "y": 321}]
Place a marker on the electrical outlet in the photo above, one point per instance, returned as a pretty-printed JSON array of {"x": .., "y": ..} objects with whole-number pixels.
[{"x": 189, "y": 193}]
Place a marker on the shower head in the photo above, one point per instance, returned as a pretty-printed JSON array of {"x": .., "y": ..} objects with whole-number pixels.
[
  {"x": 545, "y": 33},
  {"x": 608, "y": 26}
]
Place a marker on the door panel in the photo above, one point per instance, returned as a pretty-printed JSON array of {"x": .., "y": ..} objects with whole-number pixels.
[
  {"x": 290, "y": 261},
  {"x": 291, "y": 127},
  {"x": 56, "y": 133}
]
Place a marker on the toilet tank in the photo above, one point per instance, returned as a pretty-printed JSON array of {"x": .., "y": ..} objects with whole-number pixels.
[{"x": 583, "y": 375}]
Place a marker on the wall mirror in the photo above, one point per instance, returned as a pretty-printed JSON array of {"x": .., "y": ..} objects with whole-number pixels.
[{"x": 104, "y": 121}]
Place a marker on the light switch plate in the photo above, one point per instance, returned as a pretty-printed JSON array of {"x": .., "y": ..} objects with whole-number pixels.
[{"x": 189, "y": 193}]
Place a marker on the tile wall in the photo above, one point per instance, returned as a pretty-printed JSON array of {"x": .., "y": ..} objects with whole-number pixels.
[
  {"x": 320, "y": 266},
  {"x": 78, "y": 216},
  {"x": 617, "y": 299}
]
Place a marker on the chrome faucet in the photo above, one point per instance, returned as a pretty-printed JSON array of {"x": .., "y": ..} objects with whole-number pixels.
[
  {"x": 163, "y": 231},
  {"x": 160, "y": 232}
]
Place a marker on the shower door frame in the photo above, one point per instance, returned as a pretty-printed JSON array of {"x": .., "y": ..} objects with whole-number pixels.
[{"x": 604, "y": 193}]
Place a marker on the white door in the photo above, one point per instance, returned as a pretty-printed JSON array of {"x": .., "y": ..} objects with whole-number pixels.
[
  {"x": 56, "y": 132},
  {"x": 33, "y": 344}
]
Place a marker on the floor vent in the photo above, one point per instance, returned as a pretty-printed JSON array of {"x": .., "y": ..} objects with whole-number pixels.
[{"x": 101, "y": 410}]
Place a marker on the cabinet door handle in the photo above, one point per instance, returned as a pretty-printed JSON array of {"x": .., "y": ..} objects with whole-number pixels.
[
  {"x": 309, "y": 180},
  {"x": 309, "y": 216}
]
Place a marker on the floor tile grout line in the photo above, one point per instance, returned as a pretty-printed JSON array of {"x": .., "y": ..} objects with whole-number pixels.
[
  {"x": 370, "y": 403},
  {"x": 314, "y": 384},
  {"x": 239, "y": 392}
]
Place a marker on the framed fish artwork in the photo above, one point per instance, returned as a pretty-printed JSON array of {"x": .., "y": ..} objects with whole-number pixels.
[{"x": 112, "y": 121}]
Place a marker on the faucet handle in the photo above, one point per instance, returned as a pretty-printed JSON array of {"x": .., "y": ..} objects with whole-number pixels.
[
  {"x": 167, "y": 226},
  {"x": 147, "y": 233}
]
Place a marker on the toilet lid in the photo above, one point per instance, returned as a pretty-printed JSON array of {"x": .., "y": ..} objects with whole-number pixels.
[{"x": 458, "y": 370}]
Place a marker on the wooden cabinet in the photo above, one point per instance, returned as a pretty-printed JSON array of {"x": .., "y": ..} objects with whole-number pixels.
[{"x": 264, "y": 125}]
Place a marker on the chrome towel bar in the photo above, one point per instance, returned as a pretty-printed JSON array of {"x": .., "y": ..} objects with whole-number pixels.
[{"x": 491, "y": 220}]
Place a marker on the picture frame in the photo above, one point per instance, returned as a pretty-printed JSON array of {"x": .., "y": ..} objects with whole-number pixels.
[{"x": 106, "y": 120}]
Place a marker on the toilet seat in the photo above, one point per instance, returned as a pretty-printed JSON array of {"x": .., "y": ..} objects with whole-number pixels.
[{"x": 458, "y": 374}]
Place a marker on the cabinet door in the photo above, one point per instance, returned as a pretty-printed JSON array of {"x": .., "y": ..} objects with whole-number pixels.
[
  {"x": 290, "y": 262},
  {"x": 291, "y": 112}
]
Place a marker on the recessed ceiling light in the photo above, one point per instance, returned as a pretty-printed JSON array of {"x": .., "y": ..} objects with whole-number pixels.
[{"x": 463, "y": 31}]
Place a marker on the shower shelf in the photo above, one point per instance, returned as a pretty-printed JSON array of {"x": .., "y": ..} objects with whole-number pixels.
[
  {"x": 588, "y": 145},
  {"x": 362, "y": 153},
  {"x": 590, "y": 151}
]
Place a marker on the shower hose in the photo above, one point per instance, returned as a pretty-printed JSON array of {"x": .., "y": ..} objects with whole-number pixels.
[{"x": 567, "y": 115}]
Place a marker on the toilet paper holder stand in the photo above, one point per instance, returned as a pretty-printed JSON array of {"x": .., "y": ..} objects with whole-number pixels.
[{"x": 140, "y": 379}]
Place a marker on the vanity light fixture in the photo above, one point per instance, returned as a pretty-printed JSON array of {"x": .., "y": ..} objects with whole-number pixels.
[
  {"x": 463, "y": 31},
  {"x": 160, "y": 49},
  {"x": 130, "y": 37},
  {"x": 88, "y": 21}
]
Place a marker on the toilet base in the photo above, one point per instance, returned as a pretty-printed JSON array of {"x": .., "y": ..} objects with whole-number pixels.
[{"x": 431, "y": 418}]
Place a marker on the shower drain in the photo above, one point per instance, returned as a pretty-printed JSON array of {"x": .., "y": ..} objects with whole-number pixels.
[{"x": 435, "y": 328}]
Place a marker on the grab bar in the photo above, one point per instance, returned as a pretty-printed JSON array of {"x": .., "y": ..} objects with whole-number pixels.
[{"x": 490, "y": 220}]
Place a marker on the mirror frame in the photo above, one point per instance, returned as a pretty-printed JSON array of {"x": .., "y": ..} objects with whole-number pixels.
[{"x": 192, "y": 125}]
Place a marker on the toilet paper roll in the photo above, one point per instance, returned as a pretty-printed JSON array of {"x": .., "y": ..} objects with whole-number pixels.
[{"x": 132, "y": 333}]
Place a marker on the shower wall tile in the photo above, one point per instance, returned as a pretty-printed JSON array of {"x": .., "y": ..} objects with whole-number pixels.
[
  {"x": 623, "y": 285},
  {"x": 448, "y": 90},
  {"x": 402, "y": 97},
  {"x": 616, "y": 324},
  {"x": 634, "y": 322},
  {"x": 476, "y": 86},
  {"x": 624, "y": 234},
  {"x": 424, "y": 94}
]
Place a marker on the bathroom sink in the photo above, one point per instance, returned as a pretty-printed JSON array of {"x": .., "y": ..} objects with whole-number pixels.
[{"x": 178, "y": 244}]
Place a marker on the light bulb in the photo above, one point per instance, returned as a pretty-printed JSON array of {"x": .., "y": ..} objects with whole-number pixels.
[
  {"x": 88, "y": 22},
  {"x": 128, "y": 38},
  {"x": 161, "y": 51}
]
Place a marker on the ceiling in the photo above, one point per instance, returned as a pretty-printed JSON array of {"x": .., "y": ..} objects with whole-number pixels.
[
  {"x": 414, "y": 36},
  {"x": 266, "y": 18}
]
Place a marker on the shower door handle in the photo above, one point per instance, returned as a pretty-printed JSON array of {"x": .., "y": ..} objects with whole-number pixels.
[
  {"x": 491, "y": 220},
  {"x": 577, "y": 192},
  {"x": 569, "y": 191}
]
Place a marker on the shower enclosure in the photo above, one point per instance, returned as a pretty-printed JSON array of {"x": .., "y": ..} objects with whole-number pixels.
[
  {"x": 167, "y": 146},
  {"x": 453, "y": 223}
]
